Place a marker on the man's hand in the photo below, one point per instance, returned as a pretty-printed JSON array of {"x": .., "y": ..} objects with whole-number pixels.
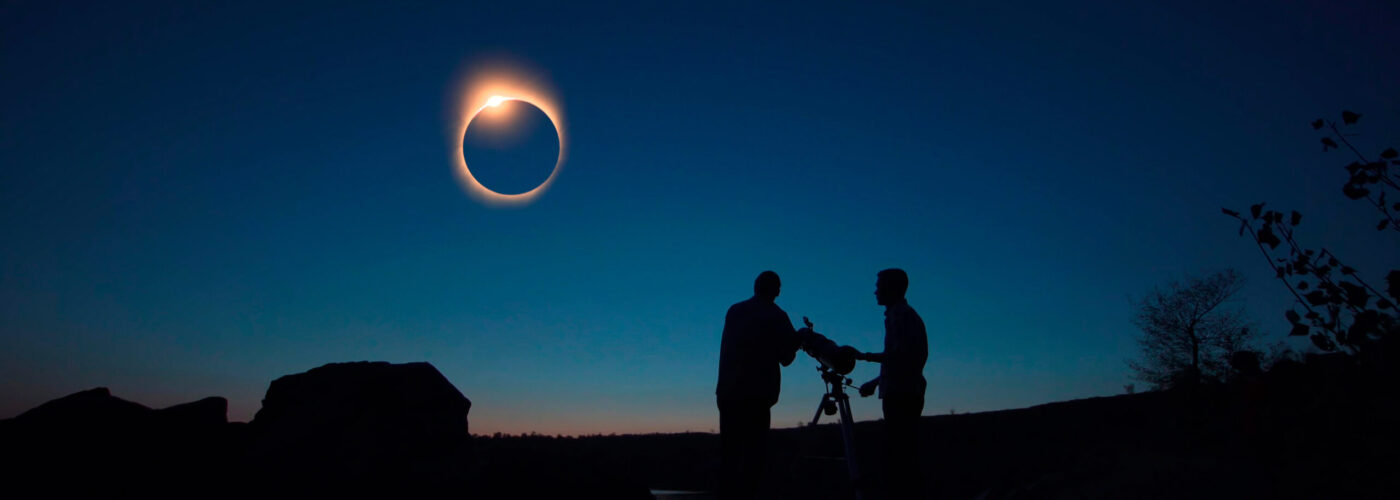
[{"x": 868, "y": 388}]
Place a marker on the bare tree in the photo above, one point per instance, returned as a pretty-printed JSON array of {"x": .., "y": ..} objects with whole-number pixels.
[{"x": 1189, "y": 329}]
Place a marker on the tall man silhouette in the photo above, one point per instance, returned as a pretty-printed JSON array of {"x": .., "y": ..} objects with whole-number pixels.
[
  {"x": 758, "y": 337},
  {"x": 901, "y": 382}
]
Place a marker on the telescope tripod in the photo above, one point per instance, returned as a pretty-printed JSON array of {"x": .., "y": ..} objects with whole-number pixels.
[{"x": 837, "y": 401}]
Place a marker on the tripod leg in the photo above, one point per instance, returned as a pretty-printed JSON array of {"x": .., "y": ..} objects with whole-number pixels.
[
  {"x": 848, "y": 438},
  {"x": 820, "y": 406}
]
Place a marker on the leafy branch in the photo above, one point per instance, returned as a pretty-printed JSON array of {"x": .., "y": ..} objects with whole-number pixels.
[
  {"x": 1335, "y": 293},
  {"x": 1337, "y": 302},
  {"x": 1366, "y": 175}
]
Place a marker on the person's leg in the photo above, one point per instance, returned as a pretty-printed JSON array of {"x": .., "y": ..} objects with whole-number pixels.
[
  {"x": 901, "y": 446},
  {"x": 756, "y": 421},
  {"x": 730, "y": 450}
]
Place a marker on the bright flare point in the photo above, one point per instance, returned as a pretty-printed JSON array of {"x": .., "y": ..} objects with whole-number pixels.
[{"x": 496, "y": 100}]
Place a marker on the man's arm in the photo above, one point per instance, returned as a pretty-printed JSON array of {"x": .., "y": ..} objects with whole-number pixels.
[
  {"x": 873, "y": 357},
  {"x": 787, "y": 341},
  {"x": 868, "y": 388}
]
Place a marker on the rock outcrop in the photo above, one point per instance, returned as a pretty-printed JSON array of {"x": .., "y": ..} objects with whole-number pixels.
[
  {"x": 344, "y": 429},
  {"x": 349, "y": 420},
  {"x": 93, "y": 441}
]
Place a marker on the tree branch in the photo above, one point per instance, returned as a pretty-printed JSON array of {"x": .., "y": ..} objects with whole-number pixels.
[
  {"x": 1268, "y": 259},
  {"x": 1344, "y": 140}
]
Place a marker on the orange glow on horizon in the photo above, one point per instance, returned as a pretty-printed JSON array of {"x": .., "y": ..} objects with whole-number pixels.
[{"x": 489, "y": 87}]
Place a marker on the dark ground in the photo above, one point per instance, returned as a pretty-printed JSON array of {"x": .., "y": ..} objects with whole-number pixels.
[
  {"x": 1300, "y": 431},
  {"x": 1263, "y": 439}
]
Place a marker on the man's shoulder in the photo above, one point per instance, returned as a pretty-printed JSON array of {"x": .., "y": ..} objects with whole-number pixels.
[
  {"x": 906, "y": 312},
  {"x": 746, "y": 308},
  {"x": 772, "y": 309},
  {"x": 755, "y": 308}
]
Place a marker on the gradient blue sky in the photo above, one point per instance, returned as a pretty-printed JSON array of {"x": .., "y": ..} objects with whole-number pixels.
[{"x": 197, "y": 198}]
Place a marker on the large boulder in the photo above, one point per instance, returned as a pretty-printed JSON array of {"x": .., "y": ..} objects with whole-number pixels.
[
  {"x": 209, "y": 412},
  {"x": 353, "y": 419}
]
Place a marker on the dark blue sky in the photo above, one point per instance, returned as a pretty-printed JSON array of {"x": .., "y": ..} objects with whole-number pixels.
[{"x": 196, "y": 199}]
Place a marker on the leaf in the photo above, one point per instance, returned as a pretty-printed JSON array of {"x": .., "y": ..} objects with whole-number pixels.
[
  {"x": 1301, "y": 265},
  {"x": 1254, "y": 210},
  {"x": 1355, "y": 191},
  {"x": 1356, "y": 296},
  {"x": 1348, "y": 270},
  {"x": 1380, "y": 226},
  {"x": 1278, "y": 217},
  {"x": 1302, "y": 285},
  {"x": 1395, "y": 207},
  {"x": 1316, "y": 298},
  {"x": 1280, "y": 272},
  {"x": 1312, "y": 315},
  {"x": 1363, "y": 325},
  {"x": 1384, "y": 304},
  {"x": 1292, "y": 316},
  {"x": 1317, "y": 124},
  {"x": 1349, "y": 117},
  {"x": 1298, "y": 330},
  {"x": 1297, "y": 217},
  {"x": 1328, "y": 143},
  {"x": 1332, "y": 261},
  {"x": 1389, "y": 153},
  {"x": 1322, "y": 342},
  {"x": 1266, "y": 236},
  {"x": 1229, "y": 212}
]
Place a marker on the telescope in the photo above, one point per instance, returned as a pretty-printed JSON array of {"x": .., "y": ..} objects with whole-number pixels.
[
  {"x": 839, "y": 359},
  {"x": 836, "y": 361}
]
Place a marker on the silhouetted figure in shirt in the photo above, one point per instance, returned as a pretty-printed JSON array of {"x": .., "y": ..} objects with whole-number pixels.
[
  {"x": 901, "y": 383},
  {"x": 758, "y": 338}
]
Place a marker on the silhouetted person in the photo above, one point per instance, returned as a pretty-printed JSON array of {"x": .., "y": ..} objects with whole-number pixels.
[
  {"x": 758, "y": 338},
  {"x": 901, "y": 382}
]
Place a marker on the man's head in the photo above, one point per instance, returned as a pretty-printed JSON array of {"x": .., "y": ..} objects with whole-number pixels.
[
  {"x": 767, "y": 285},
  {"x": 890, "y": 286}
]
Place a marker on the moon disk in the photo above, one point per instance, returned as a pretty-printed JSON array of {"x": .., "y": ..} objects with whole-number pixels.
[{"x": 491, "y": 94}]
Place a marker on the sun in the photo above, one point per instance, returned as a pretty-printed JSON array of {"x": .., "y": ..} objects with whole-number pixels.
[{"x": 489, "y": 88}]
